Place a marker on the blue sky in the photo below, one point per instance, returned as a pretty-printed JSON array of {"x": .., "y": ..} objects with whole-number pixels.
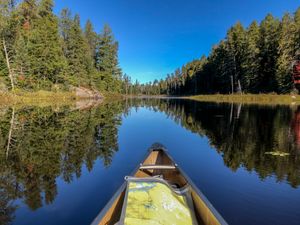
[{"x": 158, "y": 36}]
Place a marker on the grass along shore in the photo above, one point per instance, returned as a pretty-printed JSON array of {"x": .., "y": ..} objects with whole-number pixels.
[
  {"x": 265, "y": 99},
  {"x": 45, "y": 98},
  {"x": 36, "y": 98},
  {"x": 69, "y": 97}
]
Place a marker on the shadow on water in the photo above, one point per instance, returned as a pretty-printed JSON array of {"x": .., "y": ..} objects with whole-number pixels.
[{"x": 38, "y": 145}]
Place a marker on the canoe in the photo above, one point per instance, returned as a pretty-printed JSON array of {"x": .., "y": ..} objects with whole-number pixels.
[{"x": 158, "y": 163}]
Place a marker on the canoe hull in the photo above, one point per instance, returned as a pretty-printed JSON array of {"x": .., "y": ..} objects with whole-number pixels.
[{"x": 205, "y": 212}]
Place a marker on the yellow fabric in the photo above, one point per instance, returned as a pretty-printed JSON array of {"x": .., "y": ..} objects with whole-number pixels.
[{"x": 154, "y": 203}]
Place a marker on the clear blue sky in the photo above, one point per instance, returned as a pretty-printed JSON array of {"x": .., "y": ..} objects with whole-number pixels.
[{"x": 158, "y": 36}]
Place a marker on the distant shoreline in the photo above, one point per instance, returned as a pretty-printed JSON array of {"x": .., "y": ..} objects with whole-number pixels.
[
  {"x": 69, "y": 97},
  {"x": 264, "y": 99}
]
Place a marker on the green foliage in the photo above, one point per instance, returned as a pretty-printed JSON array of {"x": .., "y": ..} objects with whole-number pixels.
[
  {"x": 46, "y": 51},
  {"x": 46, "y": 61},
  {"x": 107, "y": 62},
  {"x": 80, "y": 64},
  {"x": 286, "y": 50},
  {"x": 7, "y": 34},
  {"x": 250, "y": 64},
  {"x": 268, "y": 45},
  {"x": 257, "y": 59},
  {"x": 92, "y": 38},
  {"x": 297, "y": 27}
]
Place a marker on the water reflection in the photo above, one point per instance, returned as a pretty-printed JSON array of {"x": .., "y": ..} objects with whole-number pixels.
[
  {"x": 243, "y": 134},
  {"x": 38, "y": 145}
]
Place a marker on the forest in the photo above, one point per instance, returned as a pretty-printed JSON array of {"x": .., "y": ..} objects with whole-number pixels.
[
  {"x": 42, "y": 51},
  {"x": 254, "y": 59}
]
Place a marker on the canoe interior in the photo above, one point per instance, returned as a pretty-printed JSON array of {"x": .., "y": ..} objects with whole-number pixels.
[{"x": 203, "y": 213}]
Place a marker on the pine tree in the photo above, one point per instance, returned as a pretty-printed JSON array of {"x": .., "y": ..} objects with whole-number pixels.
[
  {"x": 7, "y": 37},
  {"x": 250, "y": 64},
  {"x": 219, "y": 70},
  {"x": 268, "y": 45},
  {"x": 39, "y": 56},
  {"x": 286, "y": 48},
  {"x": 236, "y": 45},
  {"x": 91, "y": 37},
  {"x": 107, "y": 61},
  {"x": 50, "y": 61},
  {"x": 80, "y": 64},
  {"x": 297, "y": 27}
]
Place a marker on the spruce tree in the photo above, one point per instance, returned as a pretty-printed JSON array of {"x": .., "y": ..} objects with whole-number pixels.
[
  {"x": 47, "y": 46},
  {"x": 4, "y": 15},
  {"x": 286, "y": 48},
  {"x": 7, "y": 38},
  {"x": 297, "y": 27},
  {"x": 250, "y": 64},
  {"x": 268, "y": 45},
  {"x": 107, "y": 61},
  {"x": 80, "y": 64},
  {"x": 236, "y": 45},
  {"x": 91, "y": 37},
  {"x": 39, "y": 55}
]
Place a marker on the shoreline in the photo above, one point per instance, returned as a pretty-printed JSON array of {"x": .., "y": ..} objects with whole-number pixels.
[
  {"x": 37, "y": 97},
  {"x": 262, "y": 99},
  {"x": 70, "y": 97},
  {"x": 48, "y": 98}
]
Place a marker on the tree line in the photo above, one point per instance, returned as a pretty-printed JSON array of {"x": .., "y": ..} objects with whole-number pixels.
[
  {"x": 256, "y": 59},
  {"x": 40, "y": 50}
]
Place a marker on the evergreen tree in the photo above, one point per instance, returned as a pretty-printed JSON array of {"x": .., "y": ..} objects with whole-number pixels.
[
  {"x": 236, "y": 46},
  {"x": 38, "y": 51},
  {"x": 75, "y": 47},
  {"x": 27, "y": 12},
  {"x": 250, "y": 64},
  {"x": 107, "y": 61},
  {"x": 286, "y": 48},
  {"x": 50, "y": 61},
  {"x": 220, "y": 70},
  {"x": 7, "y": 37},
  {"x": 91, "y": 37},
  {"x": 268, "y": 45},
  {"x": 297, "y": 27}
]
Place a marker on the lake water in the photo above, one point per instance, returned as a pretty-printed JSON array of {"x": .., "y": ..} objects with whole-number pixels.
[{"x": 60, "y": 165}]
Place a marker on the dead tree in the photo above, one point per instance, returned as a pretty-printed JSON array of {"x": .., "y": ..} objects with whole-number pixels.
[
  {"x": 10, "y": 71},
  {"x": 9, "y": 140}
]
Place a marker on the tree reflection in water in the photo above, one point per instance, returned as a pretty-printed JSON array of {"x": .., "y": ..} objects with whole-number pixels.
[
  {"x": 243, "y": 133},
  {"x": 40, "y": 144}
]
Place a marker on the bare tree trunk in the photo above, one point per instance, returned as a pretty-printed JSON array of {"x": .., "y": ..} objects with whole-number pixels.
[
  {"x": 232, "y": 89},
  {"x": 10, "y": 132},
  {"x": 239, "y": 110},
  {"x": 240, "y": 87},
  {"x": 231, "y": 112},
  {"x": 10, "y": 73}
]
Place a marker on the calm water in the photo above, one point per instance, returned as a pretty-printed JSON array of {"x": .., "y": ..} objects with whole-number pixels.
[{"x": 61, "y": 165}]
